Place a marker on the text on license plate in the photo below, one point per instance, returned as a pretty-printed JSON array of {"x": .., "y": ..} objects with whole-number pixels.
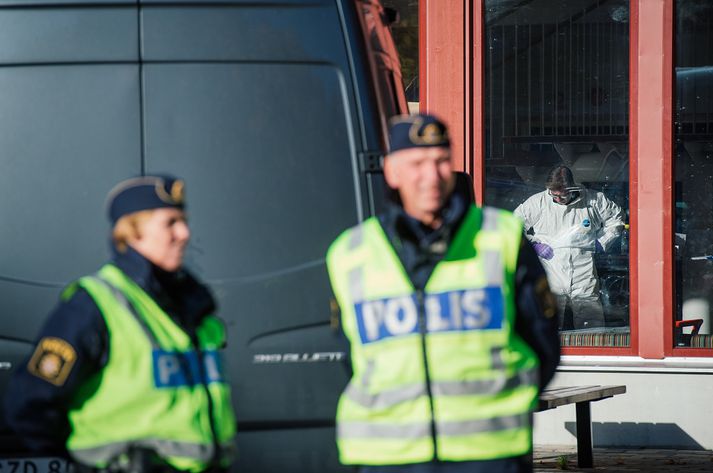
[{"x": 33, "y": 465}]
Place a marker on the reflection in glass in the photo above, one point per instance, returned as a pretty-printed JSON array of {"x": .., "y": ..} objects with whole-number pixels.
[
  {"x": 405, "y": 32},
  {"x": 376, "y": 24},
  {"x": 556, "y": 94},
  {"x": 693, "y": 150}
]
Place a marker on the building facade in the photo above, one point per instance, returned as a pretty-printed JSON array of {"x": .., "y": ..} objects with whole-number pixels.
[{"x": 622, "y": 93}]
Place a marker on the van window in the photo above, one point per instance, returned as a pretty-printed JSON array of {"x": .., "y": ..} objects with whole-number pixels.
[{"x": 387, "y": 68}]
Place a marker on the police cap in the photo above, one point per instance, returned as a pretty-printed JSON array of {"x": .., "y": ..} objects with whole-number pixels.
[
  {"x": 417, "y": 131},
  {"x": 145, "y": 193}
]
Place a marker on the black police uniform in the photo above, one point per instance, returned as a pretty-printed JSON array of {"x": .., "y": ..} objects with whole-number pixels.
[
  {"x": 35, "y": 408},
  {"x": 420, "y": 248}
]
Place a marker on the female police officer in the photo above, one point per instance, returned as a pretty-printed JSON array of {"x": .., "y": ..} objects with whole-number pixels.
[{"x": 126, "y": 372}]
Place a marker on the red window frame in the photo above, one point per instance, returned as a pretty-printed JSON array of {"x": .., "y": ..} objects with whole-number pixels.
[
  {"x": 669, "y": 38},
  {"x": 451, "y": 56}
]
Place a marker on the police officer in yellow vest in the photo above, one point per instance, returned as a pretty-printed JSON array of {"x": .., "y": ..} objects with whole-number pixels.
[
  {"x": 450, "y": 321},
  {"x": 126, "y": 374}
]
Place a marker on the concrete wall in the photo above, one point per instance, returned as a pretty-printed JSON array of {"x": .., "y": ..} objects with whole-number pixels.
[{"x": 659, "y": 410}]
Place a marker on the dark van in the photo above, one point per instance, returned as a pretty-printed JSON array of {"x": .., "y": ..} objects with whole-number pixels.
[{"x": 273, "y": 110}]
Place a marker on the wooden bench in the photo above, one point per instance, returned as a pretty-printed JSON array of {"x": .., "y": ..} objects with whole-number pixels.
[{"x": 581, "y": 396}]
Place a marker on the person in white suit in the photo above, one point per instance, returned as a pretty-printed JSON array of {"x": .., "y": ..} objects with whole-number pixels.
[{"x": 567, "y": 224}]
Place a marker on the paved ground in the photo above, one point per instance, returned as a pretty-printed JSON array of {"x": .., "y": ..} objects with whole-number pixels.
[{"x": 556, "y": 459}]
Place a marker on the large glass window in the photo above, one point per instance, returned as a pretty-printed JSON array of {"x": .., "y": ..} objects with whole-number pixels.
[
  {"x": 693, "y": 149},
  {"x": 556, "y": 95}
]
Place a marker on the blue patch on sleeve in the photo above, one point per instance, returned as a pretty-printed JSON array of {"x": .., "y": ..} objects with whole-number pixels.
[
  {"x": 471, "y": 309},
  {"x": 175, "y": 369}
]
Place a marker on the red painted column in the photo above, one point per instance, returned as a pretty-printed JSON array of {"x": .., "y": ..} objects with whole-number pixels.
[
  {"x": 651, "y": 175},
  {"x": 452, "y": 63},
  {"x": 442, "y": 66},
  {"x": 477, "y": 100}
]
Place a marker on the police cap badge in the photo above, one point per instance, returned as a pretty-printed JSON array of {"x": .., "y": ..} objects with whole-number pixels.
[{"x": 417, "y": 131}]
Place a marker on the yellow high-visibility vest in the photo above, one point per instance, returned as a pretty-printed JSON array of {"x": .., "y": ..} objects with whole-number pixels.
[
  {"x": 152, "y": 392},
  {"x": 438, "y": 374}
]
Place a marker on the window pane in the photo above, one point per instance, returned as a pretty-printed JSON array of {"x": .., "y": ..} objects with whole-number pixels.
[
  {"x": 380, "y": 42},
  {"x": 694, "y": 172},
  {"x": 405, "y": 32},
  {"x": 557, "y": 82}
]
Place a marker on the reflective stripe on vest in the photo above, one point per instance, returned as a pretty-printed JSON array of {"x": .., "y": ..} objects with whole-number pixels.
[
  {"x": 473, "y": 358},
  {"x": 393, "y": 397},
  {"x": 372, "y": 430},
  {"x": 164, "y": 448},
  {"x": 151, "y": 393},
  {"x": 121, "y": 299}
]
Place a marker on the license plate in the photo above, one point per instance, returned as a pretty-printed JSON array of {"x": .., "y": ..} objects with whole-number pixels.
[{"x": 34, "y": 465}]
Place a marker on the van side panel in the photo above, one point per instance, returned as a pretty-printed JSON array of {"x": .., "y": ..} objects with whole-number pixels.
[
  {"x": 244, "y": 33},
  {"x": 69, "y": 128},
  {"x": 255, "y": 103},
  {"x": 61, "y": 35},
  {"x": 66, "y": 133}
]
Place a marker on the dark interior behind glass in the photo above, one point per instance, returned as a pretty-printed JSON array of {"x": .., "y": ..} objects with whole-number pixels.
[
  {"x": 693, "y": 151},
  {"x": 556, "y": 93}
]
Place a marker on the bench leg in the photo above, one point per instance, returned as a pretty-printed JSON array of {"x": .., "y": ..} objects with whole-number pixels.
[{"x": 585, "y": 458}]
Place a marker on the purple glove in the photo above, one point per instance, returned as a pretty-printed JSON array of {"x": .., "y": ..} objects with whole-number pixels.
[
  {"x": 543, "y": 250},
  {"x": 598, "y": 248}
]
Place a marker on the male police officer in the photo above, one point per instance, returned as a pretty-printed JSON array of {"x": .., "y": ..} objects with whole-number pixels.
[
  {"x": 450, "y": 321},
  {"x": 126, "y": 373}
]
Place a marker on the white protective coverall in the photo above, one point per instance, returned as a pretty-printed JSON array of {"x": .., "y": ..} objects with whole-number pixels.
[{"x": 572, "y": 231}]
